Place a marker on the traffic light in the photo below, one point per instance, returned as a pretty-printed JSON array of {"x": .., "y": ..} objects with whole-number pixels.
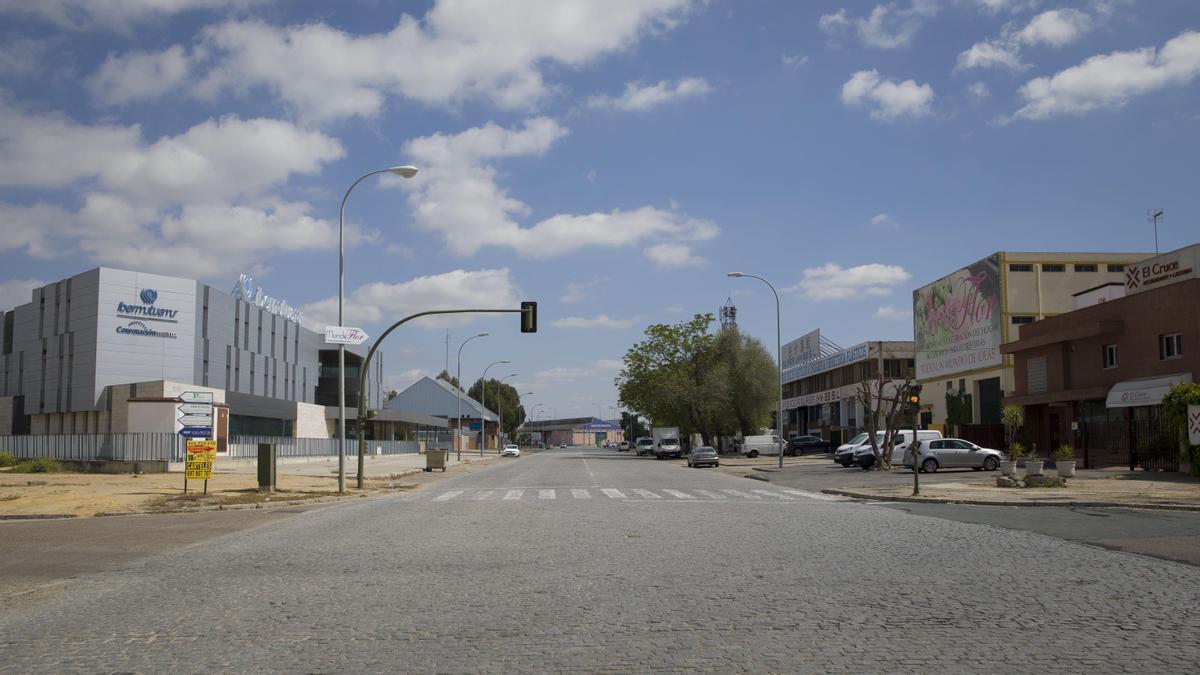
[
  {"x": 914, "y": 395},
  {"x": 528, "y": 317}
]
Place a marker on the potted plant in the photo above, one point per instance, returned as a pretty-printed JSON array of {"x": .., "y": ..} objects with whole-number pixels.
[
  {"x": 1008, "y": 467},
  {"x": 1034, "y": 464},
  {"x": 1064, "y": 461}
]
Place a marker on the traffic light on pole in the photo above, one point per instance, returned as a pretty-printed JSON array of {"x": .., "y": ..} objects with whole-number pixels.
[
  {"x": 528, "y": 317},
  {"x": 914, "y": 395}
]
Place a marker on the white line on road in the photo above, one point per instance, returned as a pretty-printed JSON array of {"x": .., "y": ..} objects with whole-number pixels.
[
  {"x": 768, "y": 493},
  {"x": 482, "y": 495},
  {"x": 513, "y": 494},
  {"x": 711, "y": 495},
  {"x": 739, "y": 493},
  {"x": 646, "y": 494},
  {"x": 613, "y": 494},
  {"x": 812, "y": 495},
  {"x": 546, "y": 494},
  {"x": 446, "y": 496},
  {"x": 580, "y": 493},
  {"x": 678, "y": 494}
]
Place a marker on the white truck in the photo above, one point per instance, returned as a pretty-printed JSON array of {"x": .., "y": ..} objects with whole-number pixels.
[{"x": 666, "y": 443}]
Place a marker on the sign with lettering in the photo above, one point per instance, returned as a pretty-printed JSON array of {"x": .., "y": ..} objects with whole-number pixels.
[
  {"x": 145, "y": 310},
  {"x": 845, "y": 357},
  {"x": 1163, "y": 270},
  {"x": 246, "y": 290},
  {"x": 345, "y": 335},
  {"x": 201, "y": 454},
  {"x": 195, "y": 414},
  {"x": 1194, "y": 424},
  {"x": 957, "y": 321},
  {"x": 803, "y": 349}
]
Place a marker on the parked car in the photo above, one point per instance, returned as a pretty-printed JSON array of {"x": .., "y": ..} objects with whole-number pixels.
[
  {"x": 954, "y": 453},
  {"x": 802, "y": 444},
  {"x": 752, "y": 446},
  {"x": 703, "y": 456},
  {"x": 623, "y": 446},
  {"x": 562, "y": 445},
  {"x": 844, "y": 454},
  {"x": 864, "y": 456},
  {"x": 511, "y": 450},
  {"x": 645, "y": 446}
]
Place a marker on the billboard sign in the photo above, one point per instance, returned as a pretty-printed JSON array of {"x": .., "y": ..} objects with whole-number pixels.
[
  {"x": 858, "y": 352},
  {"x": 957, "y": 321},
  {"x": 804, "y": 348},
  {"x": 1163, "y": 270}
]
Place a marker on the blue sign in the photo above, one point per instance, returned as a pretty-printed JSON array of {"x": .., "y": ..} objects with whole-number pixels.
[
  {"x": 475, "y": 426},
  {"x": 149, "y": 295},
  {"x": 196, "y": 432}
]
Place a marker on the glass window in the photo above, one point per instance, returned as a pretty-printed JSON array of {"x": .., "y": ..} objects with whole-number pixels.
[
  {"x": 1020, "y": 267},
  {"x": 1170, "y": 346},
  {"x": 1116, "y": 268},
  {"x": 1021, "y": 320},
  {"x": 1110, "y": 356},
  {"x": 1085, "y": 268},
  {"x": 1054, "y": 267}
]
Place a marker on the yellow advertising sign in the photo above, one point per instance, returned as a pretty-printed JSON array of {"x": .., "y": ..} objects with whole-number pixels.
[{"x": 201, "y": 453}]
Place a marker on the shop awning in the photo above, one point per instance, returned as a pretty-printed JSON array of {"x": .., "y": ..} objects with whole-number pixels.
[{"x": 1144, "y": 391}]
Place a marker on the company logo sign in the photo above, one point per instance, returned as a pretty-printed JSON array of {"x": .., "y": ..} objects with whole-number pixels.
[
  {"x": 141, "y": 329},
  {"x": 148, "y": 296},
  {"x": 246, "y": 290},
  {"x": 146, "y": 310},
  {"x": 1133, "y": 277},
  {"x": 1163, "y": 271}
]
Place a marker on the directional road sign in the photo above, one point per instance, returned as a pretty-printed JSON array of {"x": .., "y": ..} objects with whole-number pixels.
[
  {"x": 345, "y": 335},
  {"x": 196, "y": 409},
  {"x": 196, "y": 397},
  {"x": 196, "y": 420},
  {"x": 196, "y": 432}
]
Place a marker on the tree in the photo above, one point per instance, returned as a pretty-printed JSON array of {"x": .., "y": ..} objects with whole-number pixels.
[
  {"x": 389, "y": 395},
  {"x": 958, "y": 410},
  {"x": 1013, "y": 417},
  {"x": 882, "y": 397},
  {"x": 500, "y": 396},
  {"x": 632, "y": 424},
  {"x": 1174, "y": 413},
  {"x": 445, "y": 375}
]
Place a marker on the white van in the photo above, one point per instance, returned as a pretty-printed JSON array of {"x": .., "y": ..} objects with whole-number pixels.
[
  {"x": 864, "y": 458},
  {"x": 753, "y": 446}
]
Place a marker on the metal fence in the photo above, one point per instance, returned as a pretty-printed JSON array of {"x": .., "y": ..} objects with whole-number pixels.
[
  {"x": 1149, "y": 444},
  {"x": 246, "y": 447},
  {"x": 97, "y": 447}
]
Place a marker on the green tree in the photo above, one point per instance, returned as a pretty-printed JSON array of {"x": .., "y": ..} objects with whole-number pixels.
[
  {"x": 750, "y": 372},
  {"x": 633, "y": 426},
  {"x": 444, "y": 375},
  {"x": 958, "y": 410},
  {"x": 1174, "y": 412},
  {"x": 500, "y": 396},
  {"x": 389, "y": 395}
]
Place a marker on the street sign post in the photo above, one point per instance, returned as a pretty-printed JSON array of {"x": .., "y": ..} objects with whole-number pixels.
[
  {"x": 199, "y": 465},
  {"x": 345, "y": 335},
  {"x": 196, "y": 414},
  {"x": 196, "y": 408},
  {"x": 196, "y": 432},
  {"x": 204, "y": 420}
]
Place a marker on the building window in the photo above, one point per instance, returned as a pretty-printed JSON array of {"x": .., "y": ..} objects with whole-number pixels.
[
  {"x": 1086, "y": 268},
  {"x": 1110, "y": 356},
  {"x": 1170, "y": 346},
  {"x": 1021, "y": 320},
  {"x": 1054, "y": 267},
  {"x": 1020, "y": 267},
  {"x": 1116, "y": 268}
]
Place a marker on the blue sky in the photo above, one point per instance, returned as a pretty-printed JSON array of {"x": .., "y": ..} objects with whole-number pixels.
[{"x": 612, "y": 160}]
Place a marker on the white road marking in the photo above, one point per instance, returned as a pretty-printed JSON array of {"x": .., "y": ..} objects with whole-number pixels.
[
  {"x": 613, "y": 494},
  {"x": 645, "y": 494},
  {"x": 513, "y": 494},
  {"x": 588, "y": 467},
  {"x": 739, "y": 493},
  {"x": 580, "y": 493},
  {"x": 678, "y": 494},
  {"x": 768, "y": 493},
  {"x": 482, "y": 495},
  {"x": 711, "y": 495},
  {"x": 546, "y": 494},
  {"x": 446, "y": 496},
  {"x": 812, "y": 495}
]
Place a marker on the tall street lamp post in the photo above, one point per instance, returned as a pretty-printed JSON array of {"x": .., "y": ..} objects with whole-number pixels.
[
  {"x": 778, "y": 360},
  {"x": 500, "y": 411},
  {"x": 526, "y": 393},
  {"x": 403, "y": 172},
  {"x": 459, "y": 441},
  {"x": 483, "y": 405}
]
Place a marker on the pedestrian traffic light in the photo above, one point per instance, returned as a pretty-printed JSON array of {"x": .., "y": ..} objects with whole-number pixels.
[
  {"x": 914, "y": 394},
  {"x": 528, "y": 317}
]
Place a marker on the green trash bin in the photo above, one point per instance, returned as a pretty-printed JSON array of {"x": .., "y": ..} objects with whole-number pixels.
[{"x": 435, "y": 458}]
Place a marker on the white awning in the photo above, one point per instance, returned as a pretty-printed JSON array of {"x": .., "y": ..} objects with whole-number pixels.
[{"x": 1144, "y": 391}]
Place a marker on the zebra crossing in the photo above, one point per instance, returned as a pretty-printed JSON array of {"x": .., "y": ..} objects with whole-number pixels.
[{"x": 661, "y": 495}]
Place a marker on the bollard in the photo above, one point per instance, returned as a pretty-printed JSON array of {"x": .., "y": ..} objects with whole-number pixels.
[{"x": 266, "y": 467}]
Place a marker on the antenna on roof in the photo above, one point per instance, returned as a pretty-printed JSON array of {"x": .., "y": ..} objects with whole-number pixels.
[{"x": 1153, "y": 215}]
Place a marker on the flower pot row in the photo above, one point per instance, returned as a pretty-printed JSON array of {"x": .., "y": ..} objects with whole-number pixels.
[{"x": 1036, "y": 467}]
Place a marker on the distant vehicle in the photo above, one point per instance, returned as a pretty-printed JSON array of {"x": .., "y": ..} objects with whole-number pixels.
[
  {"x": 753, "y": 446},
  {"x": 865, "y": 458},
  {"x": 666, "y": 443},
  {"x": 623, "y": 446},
  {"x": 844, "y": 454},
  {"x": 511, "y": 450},
  {"x": 703, "y": 456},
  {"x": 953, "y": 453},
  {"x": 802, "y": 444},
  {"x": 645, "y": 446},
  {"x": 562, "y": 445}
]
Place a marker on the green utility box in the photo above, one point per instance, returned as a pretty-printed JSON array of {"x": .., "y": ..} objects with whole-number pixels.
[
  {"x": 435, "y": 458},
  {"x": 266, "y": 467}
]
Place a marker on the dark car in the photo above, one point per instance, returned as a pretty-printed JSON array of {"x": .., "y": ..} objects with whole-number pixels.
[
  {"x": 703, "y": 456},
  {"x": 802, "y": 444}
]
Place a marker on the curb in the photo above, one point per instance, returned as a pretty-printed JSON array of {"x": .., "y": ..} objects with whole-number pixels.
[
  {"x": 754, "y": 477},
  {"x": 36, "y": 516},
  {"x": 993, "y": 502}
]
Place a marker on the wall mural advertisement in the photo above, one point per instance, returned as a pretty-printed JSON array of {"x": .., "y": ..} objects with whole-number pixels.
[{"x": 957, "y": 321}]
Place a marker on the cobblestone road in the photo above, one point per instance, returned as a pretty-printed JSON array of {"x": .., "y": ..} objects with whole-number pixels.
[{"x": 538, "y": 564}]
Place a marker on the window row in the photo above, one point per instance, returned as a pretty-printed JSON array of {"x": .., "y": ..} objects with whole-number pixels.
[
  {"x": 1170, "y": 346},
  {"x": 1059, "y": 267}
]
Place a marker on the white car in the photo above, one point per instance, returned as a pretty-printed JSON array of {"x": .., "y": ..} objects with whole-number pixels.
[{"x": 510, "y": 450}]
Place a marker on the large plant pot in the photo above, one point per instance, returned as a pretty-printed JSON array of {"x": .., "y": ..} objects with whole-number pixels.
[
  {"x": 1008, "y": 468},
  {"x": 1065, "y": 468},
  {"x": 1034, "y": 467}
]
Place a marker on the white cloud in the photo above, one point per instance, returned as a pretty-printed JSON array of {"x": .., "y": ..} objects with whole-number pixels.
[
  {"x": 979, "y": 91},
  {"x": 834, "y": 282},
  {"x": 793, "y": 61},
  {"x": 113, "y": 14},
  {"x": 566, "y": 374},
  {"x": 888, "y": 99},
  {"x": 1110, "y": 80},
  {"x": 674, "y": 254},
  {"x": 640, "y": 98},
  {"x": 989, "y": 54},
  {"x": 20, "y": 57},
  {"x": 598, "y": 321},
  {"x": 404, "y": 380},
  {"x": 890, "y": 312},
  {"x": 997, "y": 6},
  {"x": 457, "y": 194},
  {"x": 887, "y": 26},
  {"x": 884, "y": 220},
  {"x": 494, "y": 50},
  {"x": 381, "y": 302},
  {"x": 15, "y": 292},
  {"x": 578, "y": 291},
  {"x": 139, "y": 75},
  {"x": 1056, "y": 28}
]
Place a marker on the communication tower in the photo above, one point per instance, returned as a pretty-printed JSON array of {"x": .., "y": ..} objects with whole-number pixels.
[{"x": 728, "y": 314}]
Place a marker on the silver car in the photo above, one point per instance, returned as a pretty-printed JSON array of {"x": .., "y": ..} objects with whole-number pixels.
[
  {"x": 953, "y": 453},
  {"x": 703, "y": 456}
]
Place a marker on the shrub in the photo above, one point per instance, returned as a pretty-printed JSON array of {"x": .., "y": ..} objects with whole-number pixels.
[
  {"x": 7, "y": 459},
  {"x": 39, "y": 465},
  {"x": 1016, "y": 450},
  {"x": 1064, "y": 452}
]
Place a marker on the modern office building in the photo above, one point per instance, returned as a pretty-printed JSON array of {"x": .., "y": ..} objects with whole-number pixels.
[
  {"x": 960, "y": 321},
  {"x": 108, "y": 351}
]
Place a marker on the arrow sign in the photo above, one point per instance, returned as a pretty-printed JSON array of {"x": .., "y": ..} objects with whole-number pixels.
[
  {"x": 196, "y": 432},
  {"x": 344, "y": 335},
  {"x": 196, "y": 409},
  {"x": 196, "y": 420},
  {"x": 196, "y": 397}
]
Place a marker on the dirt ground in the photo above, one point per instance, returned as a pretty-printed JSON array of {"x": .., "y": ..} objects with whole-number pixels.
[{"x": 1116, "y": 490}]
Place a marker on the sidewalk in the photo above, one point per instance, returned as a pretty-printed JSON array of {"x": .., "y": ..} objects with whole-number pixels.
[{"x": 234, "y": 485}]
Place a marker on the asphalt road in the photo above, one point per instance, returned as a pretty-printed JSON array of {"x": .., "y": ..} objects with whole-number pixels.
[{"x": 594, "y": 560}]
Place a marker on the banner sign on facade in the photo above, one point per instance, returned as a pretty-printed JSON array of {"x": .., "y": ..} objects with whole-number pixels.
[
  {"x": 1163, "y": 270},
  {"x": 248, "y": 291},
  {"x": 957, "y": 321},
  {"x": 200, "y": 457},
  {"x": 1194, "y": 424},
  {"x": 344, "y": 335},
  {"x": 845, "y": 357},
  {"x": 803, "y": 349}
]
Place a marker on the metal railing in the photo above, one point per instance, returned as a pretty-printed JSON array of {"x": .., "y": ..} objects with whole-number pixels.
[
  {"x": 246, "y": 447},
  {"x": 161, "y": 447}
]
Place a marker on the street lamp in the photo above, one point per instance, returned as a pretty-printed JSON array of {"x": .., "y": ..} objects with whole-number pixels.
[
  {"x": 458, "y": 443},
  {"x": 500, "y": 411},
  {"x": 532, "y": 423},
  {"x": 403, "y": 172},
  {"x": 778, "y": 357},
  {"x": 519, "y": 395},
  {"x": 483, "y": 405}
]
